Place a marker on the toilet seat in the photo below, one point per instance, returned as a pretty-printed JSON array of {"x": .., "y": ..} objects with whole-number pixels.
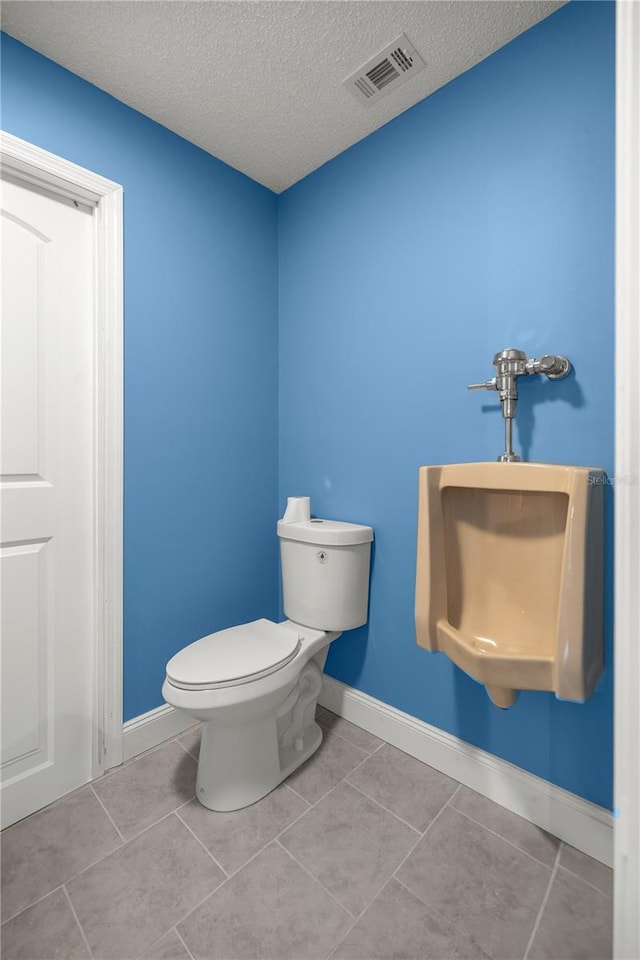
[{"x": 234, "y": 656}]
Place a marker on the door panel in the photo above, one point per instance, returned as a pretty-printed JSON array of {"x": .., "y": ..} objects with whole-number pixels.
[
  {"x": 47, "y": 500},
  {"x": 24, "y": 268},
  {"x": 26, "y": 729}
]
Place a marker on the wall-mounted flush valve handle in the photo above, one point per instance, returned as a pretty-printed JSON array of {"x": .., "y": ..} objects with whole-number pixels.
[{"x": 487, "y": 385}]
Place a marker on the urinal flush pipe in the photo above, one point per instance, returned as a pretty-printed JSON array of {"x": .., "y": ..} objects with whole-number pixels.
[{"x": 511, "y": 364}]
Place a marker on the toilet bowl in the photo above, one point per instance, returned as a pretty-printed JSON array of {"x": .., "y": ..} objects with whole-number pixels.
[{"x": 255, "y": 686}]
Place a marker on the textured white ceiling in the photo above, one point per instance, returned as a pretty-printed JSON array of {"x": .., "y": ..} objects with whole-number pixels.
[{"x": 259, "y": 84}]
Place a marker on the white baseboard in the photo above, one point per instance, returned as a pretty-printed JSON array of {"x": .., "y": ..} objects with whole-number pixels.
[
  {"x": 152, "y": 728},
  {"x": 578, "y": 822}
]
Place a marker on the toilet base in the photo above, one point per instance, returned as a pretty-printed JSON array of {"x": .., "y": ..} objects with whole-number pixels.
[
  {"x": 240, "y": 765},
  {"x": 255, "y": 734}
]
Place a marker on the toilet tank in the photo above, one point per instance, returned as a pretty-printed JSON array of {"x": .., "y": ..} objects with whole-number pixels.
[{"x": 325, "y": 572}]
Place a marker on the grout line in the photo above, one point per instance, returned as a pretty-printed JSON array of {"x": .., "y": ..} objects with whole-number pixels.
[
  {"x": 310, "y": 806},
  {"x": 93, "y": 863},
  {"x": 429, "y": 907},
  {"x": 335, "y": 946},
  {"x": 188, "y": 752},
  {"x": 510, "y": 842},
  {"x": 427, "y": 904},
  {"x": 319, "y": 882},
  {"x": 287, "y": 787},
  {"x": 115, "y": 825},
  {"x": 572, "y": 873},
  {"x": 206, "y": 849},
  {"x": 421, "y": 837},
  {"x": 161, "y": 937},
  {"x": 230, "y": 876},
  {"x": 396, "y": 816},
  {"x": 299, "y": 795},
  {"x": 32, "y": 904},
  {"x": 134, "y": 836},
  {"x": 577, "y": 876},
  {"x": 112, "y": 771},
  {"x": 358, "y": 765},
  {"x": 328, "y": 734},
  {"x": 80, "y": 927},
  {"x": 278, "y": 835},
  {"x": 453, "y": 795},
  {"x": 388, "y": 879},
  {"x": 401, "y": 864},
  {"x": 331, "y": 789},
  {"x": 183, "y": 942},
  {"x": 185, "y": 803},
  {"x": 198, "y": 905},
  {"x": 115, "y": 850},
  {"x": 544, "y": 902},
  {"x": 48, "y": 806},
  {"x": 334, "y": 733}
]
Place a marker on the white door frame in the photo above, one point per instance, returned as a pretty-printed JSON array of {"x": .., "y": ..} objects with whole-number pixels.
[
  {"x": 30, "y": 165},
  {"x": 627, "y": 495}
]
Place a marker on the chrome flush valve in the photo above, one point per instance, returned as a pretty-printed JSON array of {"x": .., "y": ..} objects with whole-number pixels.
[{"x": 509, "y": 365}]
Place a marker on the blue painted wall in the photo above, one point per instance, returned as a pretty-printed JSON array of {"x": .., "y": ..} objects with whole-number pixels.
[
  {"x": 480, "y": 219},
  {"x": 200, "y": 365}
]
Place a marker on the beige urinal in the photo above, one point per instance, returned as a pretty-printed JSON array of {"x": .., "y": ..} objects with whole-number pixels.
[{"x": 509, "y": 580}]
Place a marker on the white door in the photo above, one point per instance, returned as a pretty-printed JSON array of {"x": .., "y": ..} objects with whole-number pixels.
[{"x": 46, "y": 498}]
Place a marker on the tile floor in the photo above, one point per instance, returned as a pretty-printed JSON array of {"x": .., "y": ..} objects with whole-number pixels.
[{"x": 364, "y": 853}]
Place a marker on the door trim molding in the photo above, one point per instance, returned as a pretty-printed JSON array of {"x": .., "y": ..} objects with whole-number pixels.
[
  {"x": 26, "y": 163},
  {"x": 627, "y": 495}
]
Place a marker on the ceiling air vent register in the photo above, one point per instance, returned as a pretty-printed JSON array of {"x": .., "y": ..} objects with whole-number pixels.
[{"x": 389, "y": 69}]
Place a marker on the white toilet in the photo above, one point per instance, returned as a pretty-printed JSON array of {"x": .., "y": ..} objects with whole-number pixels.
[{"x": 255, "y": 686}]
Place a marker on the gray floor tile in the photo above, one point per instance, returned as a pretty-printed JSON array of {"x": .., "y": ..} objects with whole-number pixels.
[
  {"x": 142, "y": 792},
  {"x": 136, "y": 894},
  {"x": 169, "y": 947},
  {"x": 479, "y": 882},
  {"x": 233, "y": 838},
  {"x": 398, "y": 926},
  {"x": 594, "y": 872},
  {"x": 524, "y": 834},
  {"x": 350, "y": 844},
  {"x": 50, "y": 847},
  {"x": 466, "y": 882},
  {"x": 577, "y": 922},
  {"x": 269, "y": 910},
  {"x": 331, "y": 763},
  {"x": 191, "y": 742},
  {"x": 350, "y": 731},
  {"x": 404, "y": 785},
  {"x": 45, "y": 931}
]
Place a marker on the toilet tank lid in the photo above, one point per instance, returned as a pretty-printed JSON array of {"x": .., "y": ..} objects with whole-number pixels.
[{"x": 327, "y": 532}]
